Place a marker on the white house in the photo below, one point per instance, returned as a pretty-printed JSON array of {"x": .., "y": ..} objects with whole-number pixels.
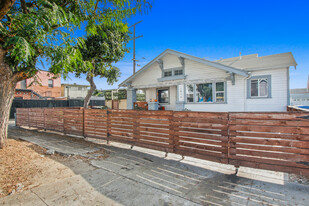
[
  {"x": 246, "y": 83},
  {"x": 300, "y": 96}
]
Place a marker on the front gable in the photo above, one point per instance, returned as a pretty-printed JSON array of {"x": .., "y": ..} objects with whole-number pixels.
[{"x": 172, "y": 67}]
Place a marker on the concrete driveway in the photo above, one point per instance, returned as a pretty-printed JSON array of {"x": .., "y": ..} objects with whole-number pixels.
[{"x": 145, "y": 177}]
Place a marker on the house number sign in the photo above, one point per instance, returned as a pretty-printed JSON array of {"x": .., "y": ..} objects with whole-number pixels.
[{"x": 180, "y": 93}]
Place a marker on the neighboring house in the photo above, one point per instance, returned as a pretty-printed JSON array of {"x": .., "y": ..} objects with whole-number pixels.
[
  {"x": 74, "y": 91},
  {"x": 44, "y": 84},
  {"x": 26, "y": 94},
  {"x": 246, "y": 83},
  {"x": 300, "y": 96}
]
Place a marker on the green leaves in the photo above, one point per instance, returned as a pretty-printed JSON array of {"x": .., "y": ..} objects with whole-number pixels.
[{"x": 46, "y": 29}]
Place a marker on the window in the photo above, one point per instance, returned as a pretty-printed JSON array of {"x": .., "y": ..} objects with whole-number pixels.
[
  {"x": 23, "y": 84},
  {"x": 178, "y": 72},
  {"x": 163, "y": 96},
  {"x": 259, "y": 87},
  {"x": 220, "y": 92},
  {"x": 168, "y": 74},
  {"x": 50, "y": 83},
  {"x": 140, "y": 95},
  {"x": 190, "y": 93},
  {"x": 204, "y": 92}
]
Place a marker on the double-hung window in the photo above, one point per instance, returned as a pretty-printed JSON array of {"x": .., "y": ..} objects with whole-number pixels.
[
  {"x": 220, "y": 92},
  {"x": 190, "y": 92},
  {"x": 259, "y": 87}
]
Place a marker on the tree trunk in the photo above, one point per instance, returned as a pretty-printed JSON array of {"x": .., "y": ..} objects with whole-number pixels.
[
  {"x": 5, "y": 6},
  {"x": 8, "y": 82},
  {"x": 91, "y": 90}
]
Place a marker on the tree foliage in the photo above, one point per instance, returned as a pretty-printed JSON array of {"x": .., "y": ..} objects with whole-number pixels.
[
  {"x": 46, "y": 29},
  {"x": 99, "y": 52},
  {"x": 34, "y": 31}
]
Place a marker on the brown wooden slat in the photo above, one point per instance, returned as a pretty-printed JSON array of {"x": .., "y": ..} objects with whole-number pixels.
[
  {"x": 272, "y": 167},
  {"x": 287, "y": 143},
  {"x": 269, "y": 154},
  {"x": 203, "y": 136},
  {"x": 209, "y": 157},
  {"x": 272, "y": 148},
  {"x": 205, "y": 141},
  {"x": 271, "y": 135},
  {"x": 259, "y": 160},
  {"x": 272, "y": 129}
]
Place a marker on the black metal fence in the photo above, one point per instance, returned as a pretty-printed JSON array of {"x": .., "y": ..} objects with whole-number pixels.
[{"x": 20, "y": 103}]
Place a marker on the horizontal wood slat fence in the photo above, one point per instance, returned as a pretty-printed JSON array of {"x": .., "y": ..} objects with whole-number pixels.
[{"x": 271, "y": 141}]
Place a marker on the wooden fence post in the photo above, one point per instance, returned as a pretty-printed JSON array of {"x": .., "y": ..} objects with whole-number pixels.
[
  {"x": 63, "y": 119},
  {"x": 228, "y": 138},
  {"x": 29, "y": 117},
  {"x": 44, "y": 119},
  {"x": 172, "y": 127},
  {"x": 84, "y": 122},
  {"x": 108, "y": 129},
  {"x": 136, "y": 129}
]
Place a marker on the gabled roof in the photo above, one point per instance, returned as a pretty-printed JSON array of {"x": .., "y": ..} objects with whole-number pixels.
[{"x": 186, "y": 56}]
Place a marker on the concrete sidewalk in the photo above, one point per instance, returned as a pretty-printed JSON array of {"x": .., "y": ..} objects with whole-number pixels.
[{"x": 144, "y": 177}]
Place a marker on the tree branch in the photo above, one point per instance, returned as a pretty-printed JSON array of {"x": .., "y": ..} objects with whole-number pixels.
[
  {"x": 96, "y": 6},
  {"x": 5, "y": 6},
  {"x": 24, "y": 6}
]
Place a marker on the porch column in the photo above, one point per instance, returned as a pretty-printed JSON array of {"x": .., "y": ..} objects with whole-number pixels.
[
  {"x": 131, "y": 97},
  {"x": 180, "y": 103}
]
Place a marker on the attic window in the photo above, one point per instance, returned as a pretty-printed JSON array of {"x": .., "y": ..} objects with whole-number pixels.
[
  {"x": 168, "y": 74},
  {"x": 178, "y": 72}
]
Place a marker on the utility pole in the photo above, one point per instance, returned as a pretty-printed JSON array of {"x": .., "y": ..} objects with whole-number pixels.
[{"x": 134, "y": 60}]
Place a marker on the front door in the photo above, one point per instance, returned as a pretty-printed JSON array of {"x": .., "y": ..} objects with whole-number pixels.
[{"x": 115, "y": 104}]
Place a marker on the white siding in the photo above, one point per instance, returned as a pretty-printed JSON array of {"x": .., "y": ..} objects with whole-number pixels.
[
  {"x": 148, "y": 77},
  {"x": 196, "y": 71},
  {"x": 170, "y": 61},
  {"x": 279, "y": 92},
  {"x": 236, "y": 95}
]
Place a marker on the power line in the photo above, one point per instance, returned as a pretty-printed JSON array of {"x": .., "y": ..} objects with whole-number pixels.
[{"x": 134, "y": 60}]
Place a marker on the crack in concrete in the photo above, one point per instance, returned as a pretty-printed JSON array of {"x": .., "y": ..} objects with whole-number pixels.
[{"x": 39, "y": 197}]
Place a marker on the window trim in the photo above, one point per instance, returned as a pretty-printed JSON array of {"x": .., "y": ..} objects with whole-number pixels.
[
  {"x": 213, "y": 93},
  {"x": 180, "y": 69},
  {"x": 169, "y": 94},
  {"x": 268, "y": 77},
  {"x": 167, "y": 70},
  {"x": 173, "y": 76}
]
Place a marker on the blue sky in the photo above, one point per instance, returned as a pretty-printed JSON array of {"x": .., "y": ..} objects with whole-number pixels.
[{"x": 220, "y": 29}]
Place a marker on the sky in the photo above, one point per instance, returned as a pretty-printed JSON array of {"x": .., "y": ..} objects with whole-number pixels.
[{"x": 215, "y": 29}]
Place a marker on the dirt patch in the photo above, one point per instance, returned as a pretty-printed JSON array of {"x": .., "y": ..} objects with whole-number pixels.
[{"x": 25, "y": 165}]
